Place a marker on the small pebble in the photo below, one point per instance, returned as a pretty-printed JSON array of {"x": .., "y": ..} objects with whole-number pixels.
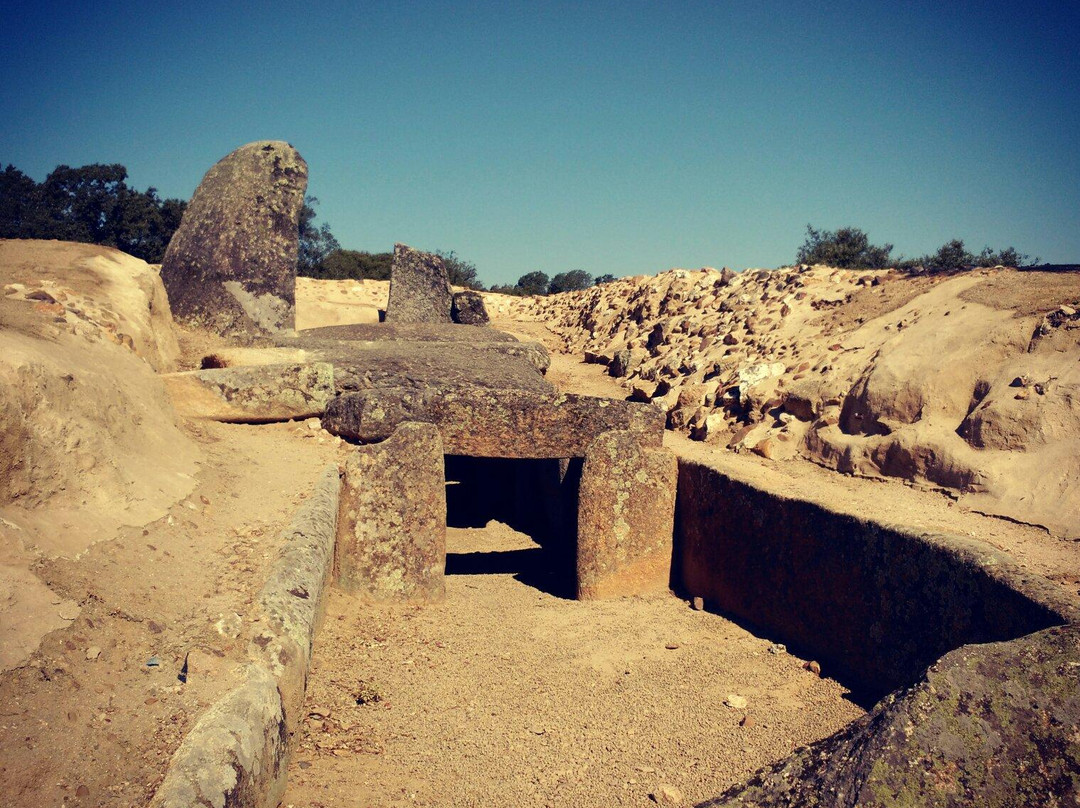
[
  {"x": 698, "y": 604},
  {"x": 93, "y": 652},
  {"x": 814, "y": 667},
  {"x": 746, "y": 721},
  {"x": 735, "y": 702}
]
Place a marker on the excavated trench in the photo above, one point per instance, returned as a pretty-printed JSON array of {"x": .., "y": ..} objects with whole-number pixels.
[{"x": 512, "y": 693}]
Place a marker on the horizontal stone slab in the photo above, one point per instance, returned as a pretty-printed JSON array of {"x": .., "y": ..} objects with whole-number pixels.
[
  {"x": 255, "y": 394},
  {"x": 409, "y": 332},
  {"x": 362, "y": 365},
  {"x": 479, "y": 422}
]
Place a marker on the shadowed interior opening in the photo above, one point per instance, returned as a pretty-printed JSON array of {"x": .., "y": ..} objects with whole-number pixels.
[{"x": 535, "y": 497}]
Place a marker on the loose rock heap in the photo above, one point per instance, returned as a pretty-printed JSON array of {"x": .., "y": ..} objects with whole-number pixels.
[{"x": 961, "y": 381}]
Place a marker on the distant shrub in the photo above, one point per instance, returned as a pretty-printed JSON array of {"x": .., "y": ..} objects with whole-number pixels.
[
  {"x": 606, "y": 278},
  {"x": 506, "y": 289},
  {"x": 534, "y": 283},
  {"x": 850, "y": 248},
  {"x": 952, "y": 256},
  {"x": 460, "y": 271},
  {"x": 846, "y": 248},
  {"x": 352, "y": 264},
  {"x": 573, "y": 281}
]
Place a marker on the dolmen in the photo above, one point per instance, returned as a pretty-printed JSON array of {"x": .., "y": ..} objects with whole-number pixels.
[{"x": 420, "y": 387}]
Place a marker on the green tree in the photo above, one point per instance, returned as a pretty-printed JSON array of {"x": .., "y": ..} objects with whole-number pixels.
[
  {"x": 460, "y": 271},
  {"x": 506, "y": 289},
  {"x": 573, "y": 281},
  {"x": 352, "y": 264},
  {"x": 950, "y": 257},
  {"x": 846, "y": 248},
  {"x": 91, "y": 204},
  {"x": 953, "y": 256},
  {"x": 534, "y": 283},
  {"x": 605, "y": 278},
  {"x": 316, "y": 243},
  {"x": 16, "y": 195}
]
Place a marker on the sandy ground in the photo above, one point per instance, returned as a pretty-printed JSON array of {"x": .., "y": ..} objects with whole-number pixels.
[
  {"x": 88, "y": 720},
  {"x": 507, "y": 694},
  {"x": 130, "y": 543}
]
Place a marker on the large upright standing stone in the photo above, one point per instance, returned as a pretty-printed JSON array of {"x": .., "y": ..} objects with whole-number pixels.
[
  {"x": 391, "y": 542},
  {"x": 231, "y": 266},
  {"x": 419, "y": 288},
  {"x": 626, "y": 517}
]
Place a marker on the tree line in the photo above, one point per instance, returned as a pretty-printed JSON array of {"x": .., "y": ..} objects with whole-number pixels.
[
  {"x": 850, "y": 248},
  {"x": 321, "y": 256},
  {"x": 92, "y": 204}
]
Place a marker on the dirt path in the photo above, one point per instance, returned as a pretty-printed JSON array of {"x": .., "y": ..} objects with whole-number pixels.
[
  {"x": 92, "y": 718},
  {"x": 507, "y": 695}
]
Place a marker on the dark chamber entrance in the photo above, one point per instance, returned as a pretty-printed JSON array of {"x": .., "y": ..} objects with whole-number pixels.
[{"x": 535, "y": 497}]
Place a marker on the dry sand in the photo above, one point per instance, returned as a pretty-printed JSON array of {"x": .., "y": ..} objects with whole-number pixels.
[{"x": 507, "y": 694}]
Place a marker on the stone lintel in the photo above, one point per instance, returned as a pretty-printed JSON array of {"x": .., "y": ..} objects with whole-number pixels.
[{"x": 479, "y": 422}]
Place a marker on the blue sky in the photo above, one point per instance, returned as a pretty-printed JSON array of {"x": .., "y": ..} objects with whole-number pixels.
[{"x": 624, "y": 137}]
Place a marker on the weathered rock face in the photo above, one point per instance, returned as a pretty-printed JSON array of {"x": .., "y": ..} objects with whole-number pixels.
[
  {"x": 480, "y": 422},
  {"x": 231, "y": 267},
  {"x": 877, "y": 603},
  {"x": 987, "y": 725},
  {"x": 256, "y": 394},
  {"x": 626, "y": 515},
  {"x": 468, "y": 308},
  {"x": 419, "y": 288},
  {"x": 391, "y": 541}
]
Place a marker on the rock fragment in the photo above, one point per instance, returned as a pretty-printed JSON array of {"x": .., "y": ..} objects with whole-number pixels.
[
  {"x": 668, "y": 795},
  {"x": 468, "y": 308}
]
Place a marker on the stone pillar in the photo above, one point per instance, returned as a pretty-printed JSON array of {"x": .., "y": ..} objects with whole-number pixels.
[
  {"x": 391, "y": 540},
  {"x": 419, "y": 288},
  {"x": 626, "y": 517}
]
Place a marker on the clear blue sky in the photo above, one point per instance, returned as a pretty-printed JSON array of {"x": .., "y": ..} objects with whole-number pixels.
[{"x": 621, "y": 137}]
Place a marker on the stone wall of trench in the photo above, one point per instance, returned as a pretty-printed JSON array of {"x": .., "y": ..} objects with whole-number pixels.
[{"x": 874, "y": 603}]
